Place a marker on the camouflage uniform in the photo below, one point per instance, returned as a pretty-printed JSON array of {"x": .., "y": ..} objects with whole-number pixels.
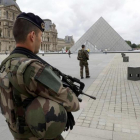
[
  {"x": 83, "y": 57},
  {"x": 17, "y": 81}
]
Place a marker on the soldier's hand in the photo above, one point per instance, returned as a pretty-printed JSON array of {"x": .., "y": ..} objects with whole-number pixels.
[{"x": 70, "y": 121}]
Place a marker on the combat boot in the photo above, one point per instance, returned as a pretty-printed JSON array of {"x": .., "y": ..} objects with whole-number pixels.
[{"x": 87, "y": 76}]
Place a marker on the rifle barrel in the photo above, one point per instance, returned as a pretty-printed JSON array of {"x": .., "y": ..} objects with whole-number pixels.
[{"x": 89, "y": 96}]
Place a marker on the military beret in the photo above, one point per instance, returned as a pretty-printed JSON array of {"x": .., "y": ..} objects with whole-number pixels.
[{"x": 36, "y": 20}]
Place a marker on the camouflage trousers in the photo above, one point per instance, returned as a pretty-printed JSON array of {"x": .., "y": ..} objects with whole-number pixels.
[
  {"x": 34, "y": 138},
  {"x": 86, "y": 70}
]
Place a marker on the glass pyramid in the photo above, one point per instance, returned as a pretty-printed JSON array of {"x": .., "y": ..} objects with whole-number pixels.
[{"x": 100, "y": 37}]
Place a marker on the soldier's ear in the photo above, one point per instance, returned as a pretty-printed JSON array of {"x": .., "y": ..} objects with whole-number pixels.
[{"x": 32, "y": 36}]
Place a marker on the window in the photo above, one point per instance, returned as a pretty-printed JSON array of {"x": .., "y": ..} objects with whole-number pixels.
[
  {"x": 13, "y": 16},
  {"x": 0, "y": 32},
  {"x": 7, "y": 14},
  {"x": 9, "y": 33}
]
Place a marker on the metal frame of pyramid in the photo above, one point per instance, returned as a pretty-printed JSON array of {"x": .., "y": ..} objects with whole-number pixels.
[{"x": 102, "y": 36}]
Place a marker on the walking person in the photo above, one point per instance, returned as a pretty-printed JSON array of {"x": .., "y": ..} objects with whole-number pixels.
[
  {"x": 69, "y": 53},
  {"x": 83, "y": 57}
]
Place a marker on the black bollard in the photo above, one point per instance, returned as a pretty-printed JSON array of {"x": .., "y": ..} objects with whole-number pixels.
[
  {"x": 133, "y": 73},
  {"x": 125, "y": 59}
]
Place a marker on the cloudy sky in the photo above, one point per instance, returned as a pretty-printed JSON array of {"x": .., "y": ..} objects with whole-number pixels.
[{"x": 75, "y": 17}]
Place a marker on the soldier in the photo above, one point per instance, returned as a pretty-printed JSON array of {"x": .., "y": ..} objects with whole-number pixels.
[
  {"x": 32, "y": 97},
  {"x": 83, "y": 57}
]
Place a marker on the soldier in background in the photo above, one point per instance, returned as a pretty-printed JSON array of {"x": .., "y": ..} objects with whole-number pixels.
[
  {"x": 32, "y": 97},
  {"x": 83, "y": 57}
]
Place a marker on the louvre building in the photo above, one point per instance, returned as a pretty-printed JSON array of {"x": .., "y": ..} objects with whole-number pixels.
[{"x": 8, "y": 13}]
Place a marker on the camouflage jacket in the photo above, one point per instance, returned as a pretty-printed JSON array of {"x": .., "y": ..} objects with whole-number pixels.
[
  {"x": 23, "y": 71},
  {"x": 83, "y": 55}
]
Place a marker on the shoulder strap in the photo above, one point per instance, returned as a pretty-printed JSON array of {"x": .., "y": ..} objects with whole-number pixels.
[
  {"x": 21, "y": 90},
  {"x": 10, "y": 57}
]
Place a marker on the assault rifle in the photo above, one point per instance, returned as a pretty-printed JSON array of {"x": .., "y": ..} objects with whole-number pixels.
[
  {"x": 77, "y": 88},
  {"x": 73, "y": 83}
]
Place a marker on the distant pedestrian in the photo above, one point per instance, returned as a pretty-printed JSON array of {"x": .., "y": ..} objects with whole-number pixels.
[
  {"x": 6, "y": 52},
  {"x": 105, "y": 51},
  {"x": 83, "y": 57},
  {"x": 69, "y": 53}
]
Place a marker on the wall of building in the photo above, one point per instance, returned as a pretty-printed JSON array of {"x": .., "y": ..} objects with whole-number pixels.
[
  {"x": 49, "y": 37},
  {"x": 7, "y": 18}
]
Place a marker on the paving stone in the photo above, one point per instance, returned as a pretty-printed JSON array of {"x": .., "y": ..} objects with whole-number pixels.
[
  {"x": 81, "y": 118},
  {"x": 135, "y": 131},
  {"x": 117, "y": 129},
  {"x": 80, "y": 121},
  {"x": 72, "y": 136},
  {"x": 86, "y": 121},
  {"x": 85, "y": 124},
  {"x": 93, "y": 126},
  {"x": 109, "y": 128},
  {"x": 109, "y": 124},
  {"x": 79, "y": 124},
  {"x": 134, "y": 127},
  {"x": 118, "y": 125},
  {"x": 91, "y": 132},
  {"x": 125, "y": 130}
]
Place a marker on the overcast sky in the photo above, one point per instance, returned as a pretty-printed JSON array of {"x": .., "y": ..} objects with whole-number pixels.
[{"x": 75, "y": 17}]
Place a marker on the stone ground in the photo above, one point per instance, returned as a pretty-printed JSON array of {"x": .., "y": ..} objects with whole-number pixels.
[{"x": 116, "y": 112}]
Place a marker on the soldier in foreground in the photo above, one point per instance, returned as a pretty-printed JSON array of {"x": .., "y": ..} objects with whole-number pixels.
[
  {"x": 83, "y": 57},
  {"x": 32, "y": 97}
]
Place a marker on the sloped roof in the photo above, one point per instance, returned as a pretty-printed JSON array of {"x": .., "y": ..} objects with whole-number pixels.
[
  {"x": 102, "y": 36},
  {"x": 48, "y": 24},
  {"x": 8, "y": 3}
]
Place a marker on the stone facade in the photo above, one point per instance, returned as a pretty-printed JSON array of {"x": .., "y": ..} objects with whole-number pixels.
[
  {"x": 67, "y": 42},
  {"x": 8, "y": 15},
  {"x": 49, "y": 42}
]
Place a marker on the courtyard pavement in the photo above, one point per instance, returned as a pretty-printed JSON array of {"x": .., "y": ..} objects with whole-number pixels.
[{"x": 115, "y": 114}]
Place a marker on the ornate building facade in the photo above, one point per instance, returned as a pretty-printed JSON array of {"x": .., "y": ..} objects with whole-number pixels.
[
  {"x": 8, "y": 13},
  {"x": 67, "y": 42},
  {"x": 49, "y": 42}
]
